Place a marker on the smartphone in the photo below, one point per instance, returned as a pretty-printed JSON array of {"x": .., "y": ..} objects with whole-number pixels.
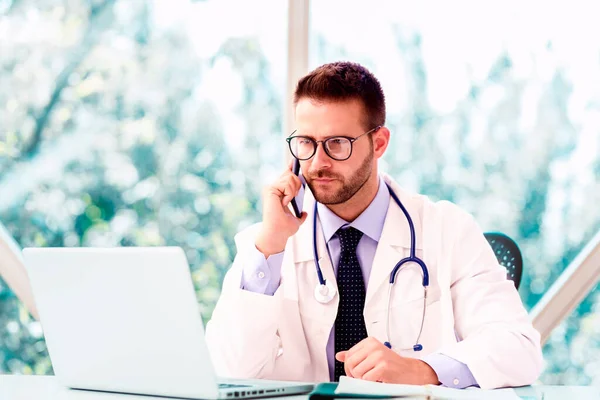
[{"x": 296, "y": 171}]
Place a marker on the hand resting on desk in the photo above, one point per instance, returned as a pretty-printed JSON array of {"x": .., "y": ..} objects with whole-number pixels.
[{"x": 371, "y": 360}]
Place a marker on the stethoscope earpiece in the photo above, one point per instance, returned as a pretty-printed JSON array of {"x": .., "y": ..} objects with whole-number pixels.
[{"x": 416, "y": 347}]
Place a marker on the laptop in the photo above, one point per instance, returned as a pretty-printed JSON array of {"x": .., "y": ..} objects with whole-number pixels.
[{"x": 127, "y": 320}]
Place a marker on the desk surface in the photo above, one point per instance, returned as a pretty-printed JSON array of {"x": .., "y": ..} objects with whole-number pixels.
[{"x": 19, "y": 387}]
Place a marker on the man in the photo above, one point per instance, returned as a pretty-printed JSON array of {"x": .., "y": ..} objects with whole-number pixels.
[{"x": 275, "y": 321}]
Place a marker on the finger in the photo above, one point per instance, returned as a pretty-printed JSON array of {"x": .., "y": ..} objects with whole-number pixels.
[
  {"x": 287, "y": 197},
  {"x": 374, "y": 375},
  {"x": 274, "y": 204},
  {"x": 359, "y": 357},
  {"x": 303, "y": 217},
  {"x": 286, "y": 189},
  {"x": 370, "y": 361},
  {"x": 355, "y": 358},
  {"x": 275, "y": 195},
  {"x": 284, "y": 176},
  {"x": 357, "y": 347},
  {"x": 361, "y": 350},
  {"x": 297, "y": 183},
  {"x": 292, "y": 179},
  {"x": 341, "y": 356},
  {"x": 288, "y": 177}
]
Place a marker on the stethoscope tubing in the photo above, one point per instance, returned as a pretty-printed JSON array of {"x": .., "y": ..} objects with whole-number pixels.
[{"x": 325, "y": 296}]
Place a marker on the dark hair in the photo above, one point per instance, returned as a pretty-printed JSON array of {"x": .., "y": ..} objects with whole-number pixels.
[{"x": 342, "y": 81}]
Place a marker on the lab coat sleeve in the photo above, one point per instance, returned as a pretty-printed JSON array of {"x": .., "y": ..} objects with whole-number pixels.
[
  {"x": 242, "y": 333},
  {"x": 497, "y": 340}
]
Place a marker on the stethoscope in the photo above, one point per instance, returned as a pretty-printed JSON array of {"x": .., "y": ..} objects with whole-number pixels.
[{"x": 325, "y": 291}]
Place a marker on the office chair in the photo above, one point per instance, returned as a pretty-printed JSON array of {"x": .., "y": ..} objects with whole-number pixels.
[{"x": 508, "y": 254}]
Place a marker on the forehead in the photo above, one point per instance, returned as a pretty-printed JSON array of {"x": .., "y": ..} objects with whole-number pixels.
[{"x": 326, "y": 118}]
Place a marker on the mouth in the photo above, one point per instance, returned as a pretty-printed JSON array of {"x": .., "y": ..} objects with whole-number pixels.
[{"x": 323, "y": 180}]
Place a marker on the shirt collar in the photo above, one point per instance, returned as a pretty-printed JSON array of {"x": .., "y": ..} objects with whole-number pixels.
[{"x": 370, "y": 222}]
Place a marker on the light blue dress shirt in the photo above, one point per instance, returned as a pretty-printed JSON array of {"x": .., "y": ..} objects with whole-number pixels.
[{"x": 262, "y": 275}]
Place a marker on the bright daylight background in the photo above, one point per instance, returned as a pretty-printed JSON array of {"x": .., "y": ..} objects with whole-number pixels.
[{"x": 127, "y": 122}]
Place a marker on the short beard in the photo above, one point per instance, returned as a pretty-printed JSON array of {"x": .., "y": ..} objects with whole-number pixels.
[{"x": 349, "y": 188}]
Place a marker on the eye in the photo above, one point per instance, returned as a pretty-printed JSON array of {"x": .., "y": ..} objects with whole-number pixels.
[{"x": 337, "y": 141}]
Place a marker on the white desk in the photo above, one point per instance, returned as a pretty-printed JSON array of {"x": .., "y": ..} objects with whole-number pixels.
[{"x": 17, "y": 387}]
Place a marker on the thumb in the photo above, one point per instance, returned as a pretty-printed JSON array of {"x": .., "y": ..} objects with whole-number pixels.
[
  {"x": 341, "y": 356},
  {"x": 303, "y": 217}
]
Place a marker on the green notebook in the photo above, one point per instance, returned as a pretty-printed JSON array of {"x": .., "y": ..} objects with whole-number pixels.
[{"x": 327, "y": 391}]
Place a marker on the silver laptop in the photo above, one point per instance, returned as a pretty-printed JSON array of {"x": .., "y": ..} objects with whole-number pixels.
[{"x": 127, "y": 320}]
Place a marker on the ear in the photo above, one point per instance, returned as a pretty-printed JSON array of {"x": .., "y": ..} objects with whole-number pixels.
[{"x": 381, "y": 139}]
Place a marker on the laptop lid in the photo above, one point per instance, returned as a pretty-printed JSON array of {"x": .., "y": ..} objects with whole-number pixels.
[{"x": 122, "y": 320}]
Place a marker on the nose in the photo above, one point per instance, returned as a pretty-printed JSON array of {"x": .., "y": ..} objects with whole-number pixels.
[{"x": 320, "y": 160}]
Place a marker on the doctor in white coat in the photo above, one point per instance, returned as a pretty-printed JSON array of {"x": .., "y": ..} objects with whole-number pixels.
[{"x": 274, "y": 320}]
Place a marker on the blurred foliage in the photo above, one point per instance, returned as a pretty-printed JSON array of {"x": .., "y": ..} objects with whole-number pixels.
[
  {"x": 120, "y": 144},
  {"x": 519, "y": 148},
  {"x": 115, "y": 130}
]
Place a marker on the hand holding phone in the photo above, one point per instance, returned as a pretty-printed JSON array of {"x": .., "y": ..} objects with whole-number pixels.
[{"x": 279, "y": 222}]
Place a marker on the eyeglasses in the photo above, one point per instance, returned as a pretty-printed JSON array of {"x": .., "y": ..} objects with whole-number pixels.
[{"x": 337, "y": 147}]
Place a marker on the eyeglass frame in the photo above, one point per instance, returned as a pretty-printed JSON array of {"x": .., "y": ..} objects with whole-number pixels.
[{"x": 316, "y": 143}]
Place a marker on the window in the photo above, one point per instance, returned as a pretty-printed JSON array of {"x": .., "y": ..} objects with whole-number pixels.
[
  {"x": 135, "y": 123},
  {"x": 497, "y": 108}
]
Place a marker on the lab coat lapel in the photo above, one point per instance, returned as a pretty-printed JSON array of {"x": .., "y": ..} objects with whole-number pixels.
[
  {"x": 317, "y": 318},
  {"x": 389, "y": 252},
  {"x": 395, "y": 242},
  {"x": 306, "y": 268}
]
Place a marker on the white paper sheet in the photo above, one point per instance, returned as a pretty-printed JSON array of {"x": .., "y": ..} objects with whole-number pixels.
[{"x": 360, "y": 387}]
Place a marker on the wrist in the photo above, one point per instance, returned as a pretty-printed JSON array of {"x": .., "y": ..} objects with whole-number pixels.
[
  {"x": 267, "y": 246},
  {"x": 428, "y": 374}
]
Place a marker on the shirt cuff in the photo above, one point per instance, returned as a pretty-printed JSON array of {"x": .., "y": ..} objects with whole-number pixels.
[
  {"x": 261, "y": 275},
  {"x": 451, "y": 373}
]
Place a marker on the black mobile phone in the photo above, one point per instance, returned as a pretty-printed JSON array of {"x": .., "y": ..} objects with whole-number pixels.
[{"x": 296, "y": 171}]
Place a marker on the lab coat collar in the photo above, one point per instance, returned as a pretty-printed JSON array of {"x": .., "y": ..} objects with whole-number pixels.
[
  {"x": 370, "y": 222},
  {"x": 395, "y": 234}
]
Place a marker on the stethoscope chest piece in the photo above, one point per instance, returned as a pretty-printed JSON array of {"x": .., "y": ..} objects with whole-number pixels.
[{"x": 325, "y": 293}]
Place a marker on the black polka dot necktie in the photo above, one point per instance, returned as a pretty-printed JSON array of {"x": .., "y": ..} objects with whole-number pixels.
[{"x": 349, "y": 324}]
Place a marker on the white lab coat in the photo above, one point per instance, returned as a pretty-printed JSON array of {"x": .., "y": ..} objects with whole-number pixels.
[{"x": 474, "y": 314}]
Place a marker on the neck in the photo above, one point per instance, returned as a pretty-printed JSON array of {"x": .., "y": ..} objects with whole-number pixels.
[{"x": 351, "y": 209}]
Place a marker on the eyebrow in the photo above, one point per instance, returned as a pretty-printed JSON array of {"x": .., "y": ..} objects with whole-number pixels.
[{"x": 324, "y": 138}]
